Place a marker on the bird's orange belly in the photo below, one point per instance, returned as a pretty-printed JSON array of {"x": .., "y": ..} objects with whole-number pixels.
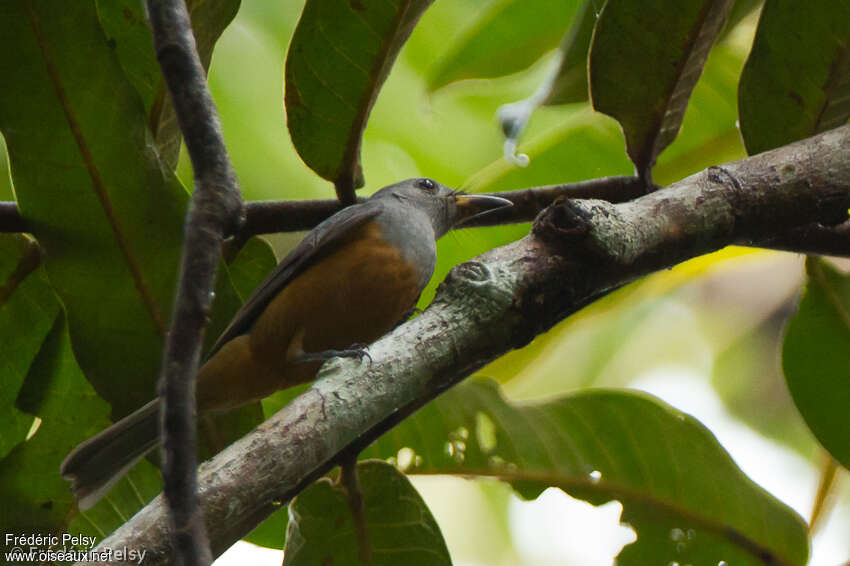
[{"x": 353, "y": 296}]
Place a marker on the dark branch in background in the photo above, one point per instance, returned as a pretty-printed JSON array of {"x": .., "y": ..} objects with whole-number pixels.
[
  {"x": 270, "y": 217},
  {"x": 266, "y": 217},
  {"x": 529, "y": 202},
  {"x": 577, "y": 252},
  {"x": 815, "y": 238},
  {"x": 216, "y": 209}
]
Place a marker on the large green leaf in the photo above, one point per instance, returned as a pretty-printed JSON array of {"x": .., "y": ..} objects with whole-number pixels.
[
  {"x": 797, "y": 80},
  {"x": 816, "y": 357},
  {"x": 126, "y": 26},
  {"x": 87, "y": 179},
  {"x": 35, "y": 498},
  {"x": 400, "y": 527},
  {"x": 27, "y": 310},
  {"x": 741, "y": 10},
  {"x": 507, "y": 37},
  {"x": 645, "y": 60},
  {"x": 39, "y": 348},
  {"x": 570, "y": 82},
  {"x": 684, "y": 496},
  {"x": 101, "y": 204},
  {"x": 254, "y": 261},
  {"x": 339, "y": 57}
]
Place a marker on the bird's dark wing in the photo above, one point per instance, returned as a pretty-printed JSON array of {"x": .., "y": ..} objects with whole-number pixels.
[{"x": 320, "y": 241}]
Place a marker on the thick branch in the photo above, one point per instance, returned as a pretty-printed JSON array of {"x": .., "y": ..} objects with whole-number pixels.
[
  {"x": 216, "y": 209},
  {"x": 578, "y": 251}
]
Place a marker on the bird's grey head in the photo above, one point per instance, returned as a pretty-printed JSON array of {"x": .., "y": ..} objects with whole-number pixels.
[{"x": 445, "y": 207}]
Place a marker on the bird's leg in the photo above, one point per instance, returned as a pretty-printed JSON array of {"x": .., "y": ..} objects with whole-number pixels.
[
  {"x": 351, "y": 482},
  {"x": 355, "y": 351}
]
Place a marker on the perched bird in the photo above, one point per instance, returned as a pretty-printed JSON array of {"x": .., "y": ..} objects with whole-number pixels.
[{"x": 352, "y": 279}]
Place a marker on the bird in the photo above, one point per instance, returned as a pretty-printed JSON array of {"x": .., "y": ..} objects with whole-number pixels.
[{"x": 352, "y": 279}]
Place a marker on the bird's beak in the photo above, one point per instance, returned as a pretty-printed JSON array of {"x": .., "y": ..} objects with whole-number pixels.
[{"x": 471, "y": 206}]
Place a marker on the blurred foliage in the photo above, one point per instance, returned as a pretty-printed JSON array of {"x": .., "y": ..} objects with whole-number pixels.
[
  {"x": 821, "y": 330},
  {"x": 505, "y": 37},
  {"x": 399, "y": 525},
  {"x": 796, "y": 84},
  {"x": 87, "y": 324},
  {"x": 602, "y": 445},
  {"x": 125, "y": 26},
  {"x": 339, "y": 57}
]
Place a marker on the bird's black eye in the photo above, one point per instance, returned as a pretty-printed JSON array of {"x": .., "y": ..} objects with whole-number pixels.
[{"x": 426, "y": 184}]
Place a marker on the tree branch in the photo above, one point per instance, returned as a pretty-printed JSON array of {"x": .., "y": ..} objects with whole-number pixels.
[
  {"x": 577, "y": 252},
  {"x": 216, "y": 209},
  {"x": 265, "y": 217},
  {"x": 269, "y": 217}
]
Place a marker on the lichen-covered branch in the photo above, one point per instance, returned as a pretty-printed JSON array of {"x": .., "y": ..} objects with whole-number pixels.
[{"x": 577, "y": 252}]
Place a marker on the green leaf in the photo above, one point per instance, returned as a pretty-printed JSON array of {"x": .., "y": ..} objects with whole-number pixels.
[
  {"x": 127, "y": 28},
  {"x": 508, "y": 37},
  {"x": 645, "y": 60},
  {"x": 585, "y": 145},
  {"x": 815, "y": 357},
  {"x": 570, "y": 82},
  {"x": 113, "y": 246},
  {"x": 401, "y": 529},
  {"x": 340, "y": 55},
  {"x": 740, "y": 10},
  {"x": 27, "y": 310},
  {"x": 796, "y": 82},
  {"x": 107, "y": 212},
  {"x": 252, "y": 264},
  {"x": 680, "y": 490},
  {"x": 101, "y": 205},
  {"x": 35, "y": 498}
]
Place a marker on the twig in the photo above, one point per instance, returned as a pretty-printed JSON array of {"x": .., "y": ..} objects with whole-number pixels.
[
  {"x": 269, "y": 217},
  {"x": 216, "y": 209},
  {"x": 264, "y": 217}
]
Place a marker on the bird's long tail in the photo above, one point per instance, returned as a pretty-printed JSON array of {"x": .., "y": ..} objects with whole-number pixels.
[{"x": 97, "y": 464}]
